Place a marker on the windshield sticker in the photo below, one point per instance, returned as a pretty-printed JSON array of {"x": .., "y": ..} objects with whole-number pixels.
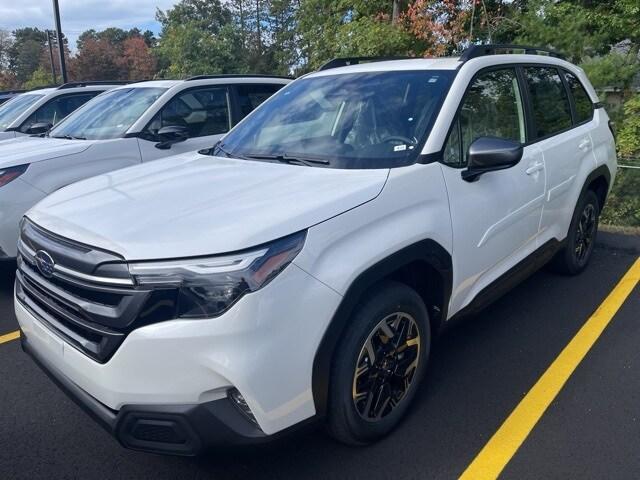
[{"x": 399, "y": 148}]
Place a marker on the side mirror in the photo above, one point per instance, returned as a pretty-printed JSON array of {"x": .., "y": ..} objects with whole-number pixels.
[
  {"x": 171, "y": 135},
  {"x": 487, "y": 154},
  {"x": 38, "y": 128}
]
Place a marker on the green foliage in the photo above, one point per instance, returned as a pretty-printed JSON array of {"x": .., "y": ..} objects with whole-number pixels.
[
  {"x": 193, "y": 51},
  {"x": 357, "y": 28},
  {"x": 615, "y": 70},
  {"x": 39, "y": 78},
  {"x": 629, "y": 131},
  {"x": 623, "y": 205}
]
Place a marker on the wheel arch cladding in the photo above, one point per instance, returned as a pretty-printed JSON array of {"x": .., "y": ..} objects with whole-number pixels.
[
  {"x": 599, "y": 182},
  {"x": 424, "y": 266}
]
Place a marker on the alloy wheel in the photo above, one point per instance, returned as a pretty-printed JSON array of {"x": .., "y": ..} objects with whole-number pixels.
[
  {"x": 585, "y": 233},
  {"x": 386, "y": 366}
]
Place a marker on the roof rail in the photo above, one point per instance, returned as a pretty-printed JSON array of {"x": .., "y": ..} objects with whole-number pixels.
[
  {"x": 9, "y": 92},
  {"x": 234, "y": 75},
  {"x": 92, "y": 83},
  {"x": 475, "y": 51},
  {"x": 346, "y": 61}
]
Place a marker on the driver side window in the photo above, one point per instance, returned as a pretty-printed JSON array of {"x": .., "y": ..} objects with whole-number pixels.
[
  {"x": 492, "y": 107},
  {"x": 203, "y": 112}
]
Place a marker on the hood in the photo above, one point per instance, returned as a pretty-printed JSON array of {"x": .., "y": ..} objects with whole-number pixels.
[
  {"x": 194, "y": 205},
  {"x": 5, "y": 136},
  {"x": 23, "y": 150}
]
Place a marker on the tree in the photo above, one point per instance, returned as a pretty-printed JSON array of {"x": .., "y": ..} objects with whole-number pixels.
[
  {"x": 6, "y": 43},
  {"x": 39, "y": 78},
  {"x": 24, "y": 53},
  {"x": 99, "y": 59},
  {"x": 137, "y": 61},
  {"x": 199, "y": 37},
  {"x": 363, "y": 27}
]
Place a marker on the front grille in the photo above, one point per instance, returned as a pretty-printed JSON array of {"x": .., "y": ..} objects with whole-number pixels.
[{"x": 88, "y": 299}]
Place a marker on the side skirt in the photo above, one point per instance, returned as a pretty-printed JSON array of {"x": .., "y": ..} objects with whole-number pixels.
[{"x": 510, "y": 279}]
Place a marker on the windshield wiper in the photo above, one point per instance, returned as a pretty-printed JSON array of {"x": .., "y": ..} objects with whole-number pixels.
[
  {"x": 218, "y": 148},
  {"x": 69, "y": 137},
  {"x": 284, "y": 158}
]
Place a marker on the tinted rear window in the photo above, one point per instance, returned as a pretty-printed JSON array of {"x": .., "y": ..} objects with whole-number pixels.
[{"x": 550, "y": 103}]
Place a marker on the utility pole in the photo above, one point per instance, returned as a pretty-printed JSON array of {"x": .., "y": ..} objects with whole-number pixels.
[
  {"x": 63, "y": 67},
  {"x": 53, "y": 66}
]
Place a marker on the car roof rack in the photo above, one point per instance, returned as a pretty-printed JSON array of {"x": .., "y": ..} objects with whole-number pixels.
[
  {"x": 235, "y": 75},
  {"x": 476, "y": 51},
  {"x": 347, "y": 61},
  {"x": 9, "y": 92},
  {"x": 93, "y": 83}
]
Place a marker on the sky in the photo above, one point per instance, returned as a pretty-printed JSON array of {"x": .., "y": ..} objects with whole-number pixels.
[{"x": 80, "y": 15}]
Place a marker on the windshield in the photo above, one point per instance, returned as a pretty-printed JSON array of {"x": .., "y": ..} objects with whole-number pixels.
[
  {"x": 360, "y": 120},
  {"x": 15, "y": 107},
  {"x": 109, "y": 115}
]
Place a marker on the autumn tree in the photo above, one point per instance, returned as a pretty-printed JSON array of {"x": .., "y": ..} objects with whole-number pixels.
[
  {"x": 98, "y": 60},
  {"x": 137, "y": 61}
]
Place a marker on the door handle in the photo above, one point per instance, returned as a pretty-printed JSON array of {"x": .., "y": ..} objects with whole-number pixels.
[
  {"x": 534, "y": 167},
  {"x": 584, "y": 144}
]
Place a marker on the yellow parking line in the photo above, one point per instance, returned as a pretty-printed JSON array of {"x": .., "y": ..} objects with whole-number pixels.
[
  {"x": 9, "y": 337},
  {"x": 507, "y": 440}
]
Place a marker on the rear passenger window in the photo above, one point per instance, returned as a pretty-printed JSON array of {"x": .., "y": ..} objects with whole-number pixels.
[
  {"x": 251, "y": 96},
  {"x": 584, "y": 105},
  {"x": 492, "y": 107},
  {"x": 203, "y": 112},
  {"x": 550, "y": 103}
]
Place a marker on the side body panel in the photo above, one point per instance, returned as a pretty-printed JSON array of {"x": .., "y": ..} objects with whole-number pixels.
[
  {"x": 413, "y": 206},
  {"x": 495, "y": 223}
]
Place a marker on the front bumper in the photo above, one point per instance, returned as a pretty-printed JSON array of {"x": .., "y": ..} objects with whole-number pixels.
[
  {"x": 263, "y": 346},
  {"x": 167, "y": 429}
]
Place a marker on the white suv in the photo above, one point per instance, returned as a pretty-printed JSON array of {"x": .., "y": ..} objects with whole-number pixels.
[
  {"x": 36, "y": 111},
  {"x": 302, "y": 268},
  {"x": 126, "y": 126}
]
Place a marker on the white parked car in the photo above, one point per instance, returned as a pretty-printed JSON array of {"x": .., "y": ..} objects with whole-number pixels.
[
  {"x": 6, "y": 95},
  {"x": 126, "y": 126},
  {"x": 36, "y": 111},
  {"x": 302, "y": 268}
]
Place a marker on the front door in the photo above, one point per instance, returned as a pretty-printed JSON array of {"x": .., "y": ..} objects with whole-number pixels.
[{"x": 495, "y": 218}]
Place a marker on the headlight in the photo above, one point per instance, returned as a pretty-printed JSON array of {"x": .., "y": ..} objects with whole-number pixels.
[{"x": 209, "y": 286}]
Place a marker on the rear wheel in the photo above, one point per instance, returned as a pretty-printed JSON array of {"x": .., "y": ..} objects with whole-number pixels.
[
  {"x": 575, "y": 256},
  {"x": 379, "y": 364}
]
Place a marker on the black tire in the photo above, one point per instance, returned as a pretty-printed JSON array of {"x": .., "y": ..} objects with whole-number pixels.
[
  {"x": 576, "y": 254},
  {"x": 355, "y": 425}
]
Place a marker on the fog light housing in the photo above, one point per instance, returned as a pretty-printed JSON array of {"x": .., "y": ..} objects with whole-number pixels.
[{"x": 241, "y": 404}]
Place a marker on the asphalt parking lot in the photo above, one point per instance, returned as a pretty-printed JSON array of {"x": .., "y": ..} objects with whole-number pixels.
[{"x": 481, "y": 369}]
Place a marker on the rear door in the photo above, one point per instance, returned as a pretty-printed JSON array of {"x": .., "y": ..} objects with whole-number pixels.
[
  {"x": 561, "y": 126},
  {"x": 495, "y": 219},
  {"x": 204, "y": 111}
]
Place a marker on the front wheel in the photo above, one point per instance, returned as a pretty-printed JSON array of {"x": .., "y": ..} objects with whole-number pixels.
[
  {"x": 379, "y": 364},
  {"x": 575, "y": 256}
]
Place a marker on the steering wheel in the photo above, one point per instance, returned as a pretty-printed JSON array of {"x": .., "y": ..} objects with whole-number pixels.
[{"x": 399, "y": 138}]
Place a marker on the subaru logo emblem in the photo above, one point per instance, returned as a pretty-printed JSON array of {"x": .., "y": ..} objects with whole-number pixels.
[{"x": 45, "y": 263}]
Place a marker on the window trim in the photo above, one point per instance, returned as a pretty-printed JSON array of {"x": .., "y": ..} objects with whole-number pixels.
[
  {"x": 524, "y": 92},
  {"x": 566, "y": 90},
  {"x": 523, "y": 99},
  {"x": 142, "y": 133},
  {"x": 572, "y": 100},
  {"x": 55, "y": 99}
]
